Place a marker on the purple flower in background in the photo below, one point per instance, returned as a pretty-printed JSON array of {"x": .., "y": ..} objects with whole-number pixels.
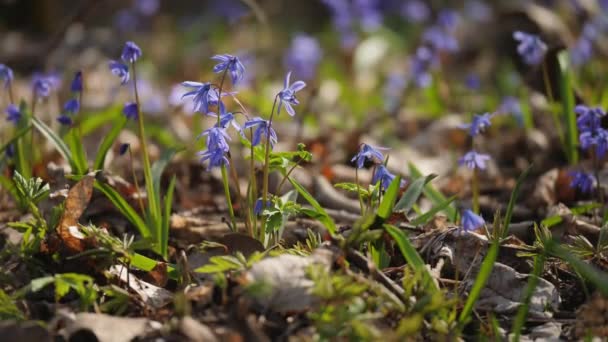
[
  {"x": 287, "y": 96},
  {"x": 263, "y": 129},
  {"x": 6, "y": 75},
  {"x": 72, "y": 106},
  {"x": 420, "y": 66},
  {"x": 440, "y": 39},
  {"x": 394, "y": 86},
  {"x": 65, "y": 120},
  {"x": 478, "y": 124},
  {"x": 384, "y": 176},
  {"x": 13, "y": 114},
  {"x": 582, "y": 181},
  {"x": 589, "y": 119},
  {"x": 303, "y": 56},
  {"x": 416, "y": 11},
  {"x": 202, "y": 95},
  {"x": 478, "y": 10},
  {"x": 147, "y": 7},
  {"x": 229, "y": 63},
  {"x": 369, "y": 14},
  {"x": 130, "y": 110},
  {"x": 448, "y": 19},
  {"x": 368, "y": 152},
  {"x": 472, "y": 81},
  {"x": 126, "y": 20},
  {"x": 76, "y": 86},
  {"x": 227, "y": 119},
  {"x": 216, "y": 157},
  {"x": 531, "y": 47},
  {"x": 474, "y": 160},
  {"x": 582, "y": 51},
  {"x": 471, "y": 221},
  {"x": 123, "y": 149},
  {"x": 130, "y": 53},
  {"x": 597, "y": 138},
  {"x": 343, "y": 19},
  {"x": 121, "y": 70},
  {"x": 42, "y": 86},
  {"x": 511, "y": 105}
]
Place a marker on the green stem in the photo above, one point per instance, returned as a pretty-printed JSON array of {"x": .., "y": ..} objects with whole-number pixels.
[
  {"x": 475, "y": 190},
  {"x": 228, "y": 200},
  {"x": 153, "y": 206},
  {"x": 267, "y": 162},
  {"x": 252, "y": 187},
  {"x": 555, "y": 115},
  {"x": 287, "y": 175},
  {"x": 359, "y": 191}
]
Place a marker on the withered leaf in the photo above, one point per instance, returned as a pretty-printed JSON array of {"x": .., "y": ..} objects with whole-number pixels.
[{"x": 77, "y": 201}]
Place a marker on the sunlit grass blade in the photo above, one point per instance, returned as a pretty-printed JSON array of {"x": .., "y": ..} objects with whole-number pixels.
[
  {"x": 78, "y": 153},
  {"x": 413, "y": 192},
  {"x": 60, "y": 146},
  {"x": 385, "y": 209},
  {"x": 512, "y": 200},
  {"x": 322, "y": 215},
  {"x": 108, "y": 141},
  {"x": 426, "y": 217},
  {"x": 411, "y": 255},
  {"x": 522, "y": 312},
  {"x": 164, "y": 232},
  {"x": 433, "y": 194},
  {"x": 124, "y": 208},
  {"x": 569, "y": 116}
]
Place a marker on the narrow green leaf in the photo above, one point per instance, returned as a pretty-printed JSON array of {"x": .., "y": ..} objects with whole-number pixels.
[
  {"x": 411, "y": 255},
  {"x": 323, "y": 216},
  {"x": 426, "y": 217},
  {"x": 124, "y": 208},
  {"x": 78, "y": 153},
  {"x": 522, "y": 312},
  {"x": 55, "y": 140},
  {"x": 168, "y": 202},
  {"x": 385, "y": 209},
  {"x": 568, "y": 103},
  {"x": 512, "y": 200},
  {"x": 433, "y": 194},
  {"x": 413, "y": 192},
  {"x": 108, "y": 141}
]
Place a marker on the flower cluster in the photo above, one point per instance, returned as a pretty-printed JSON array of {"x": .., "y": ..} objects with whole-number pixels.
[
  {"x": 303, "y": 56},
  {"x": 129, "y": 55},
  {"x": 531, "y": 48},
  {"x": 472, "y": 159},
  {"x": 347, "y": 15},
  {"x": 72, "y": 106},
  {"x": 374, "y": 155},
  {"x": 591, "y": 134}
]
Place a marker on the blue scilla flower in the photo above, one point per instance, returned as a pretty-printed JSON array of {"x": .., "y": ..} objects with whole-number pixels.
[
  {"x": 6, "y": 75},
  {"x": 230, "y": 63},
  {"x": 478, "y": 124},
  {"x": 216, "y": 138},
  {"x": 582, "y": 51},
  {"x": 263, "y": 128},
  {"x": 42, "y": 86},
  {"x": 76, "y": 86},
  {"x": 474, "y": 160},
  {"x": 531, "y": 48},
  {"x": 368, "y": 152},
  {"x": 420, "y": 66},
  {"x": 72, "y": 106},
  {"x": 384, "y": 176},
  {"x": 130, "y": 110},
  {"x": 440, "y": 39},
  {"x": 258, "y": 207},
  {"x": 597, "y": 138},
  {"x": 303, "y": 56},
  {"x": 582, "y": 181},
  {"x": 130, "y": 52},
  {"x": 416, "y": 11},
  {"x": 215, "y": 155},
  {"x": 203, "y": 97},
  {"x": 227, "y": 119},
  {"x": 10, "y": 151},
  {"x": 13, "y": 114},
  {"x": 287, "y": 96},
  {"x": 471, "y": 221},
  {"x": 589, "y": 119},
  {"x": 65, "y": 120},
  {"x": 121, "y": 70}
]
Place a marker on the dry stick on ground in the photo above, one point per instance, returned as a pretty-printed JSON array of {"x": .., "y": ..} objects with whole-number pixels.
[{"x": 366, "y": 265}]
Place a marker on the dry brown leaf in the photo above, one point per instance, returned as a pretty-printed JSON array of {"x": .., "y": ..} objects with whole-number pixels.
[{"x": 77, "y": 201}]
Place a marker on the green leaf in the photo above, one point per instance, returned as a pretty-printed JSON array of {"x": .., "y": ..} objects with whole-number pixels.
[
  {"x": 426, "y": 217},
  {"x": 124, "y": 208},
  {"x": 522, "y": 312},
  {"x": 14, "y": 138},
  {"x": 414, "y": 190},
  {"x": 108, "y": 141},
  {"x": 385, "y": 209},
  {"x": 568, "y": 103},
  {"x": 512, "y": 200},
  {"x": 433, "y": 194},
  {"x": 78, "y": 153},
  {"x": 168, "y": 202},
  {"x": 55, "y": 140},
  {"x": 323, "y": 217},
  {"x": 40, "y": 283},
  {"x": 411, "y": 256}
]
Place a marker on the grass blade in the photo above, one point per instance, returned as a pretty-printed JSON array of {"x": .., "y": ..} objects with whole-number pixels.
[
  {"x": 322, "y": 216},
  {"x": 433, "y": 194},
  {"x": 55, "y": 140},
  {"x": 424, "y": 218},
  {"x": 522, "y": 312},
  {"x": 164, "y": 233},
  {"x": 385, "y": 209},
  {"x": 569, "y": 116},
  {"x": 512, "y": 200},
  {"x": 108, "y": 141},
  {"x": 124, "y": 208},
  {"x": 413, "y": 192},
  {"x": 78, "y": 153}
]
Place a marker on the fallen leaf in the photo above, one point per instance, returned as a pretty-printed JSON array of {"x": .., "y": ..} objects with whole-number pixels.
[
  {"x": 77, "y": 201},
  {"x": 152, "y": 295}
]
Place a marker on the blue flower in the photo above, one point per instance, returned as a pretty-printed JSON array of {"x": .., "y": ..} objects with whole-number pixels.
[
  {"x": 258, "y": 207},
  {"x": 6, "y": 75},
  {"x": 582, "y": 181},
  {"x": 123, "y": 149},
  {"x": 531, "y": 47},
  {"x": 147, "y": 7},
  {"x": 597, "y": 138},
  {"x": 130, "y": 110},
  {"x": 65, "y": 120},
  {"x": 473, "y": 82},
  {"x": 215, "y": 155},
  {"x": 121, "y": 70},
  {"x": 13, "y": 114},
  {"x": 416, "y": 11},
  {"x": 217, "y": 138},
  {"x": 203, "y": 96},
  {"x": 511, "y": 105},
  {"x": 230, "y": 63},
  {"x": 287, "y": 96},
  {"x": 474, "y": 160},
  {"x": 10, "y": 150},
  {"x": 72, "y": 106},
  {"x": 471, "y": 221},
  {"x": 420, "y": 66},
  {"x": 367, "y": 152},
  {"x": 263, "y": 129},
  {"x": 440, "y": 39},
  {"x": 42, "y": 86},
  {"x": 304, "y": 56},
  {"x": 384, "y": 176},
  {"x": 582, "y": 51},
  {"x": 589, "y": 119},
  {"x": 130, "y": 53},
  {"x": 76, "y": 86},
  {"x": 478, "y": 124},
  {"x": 227, "y": 119}
]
